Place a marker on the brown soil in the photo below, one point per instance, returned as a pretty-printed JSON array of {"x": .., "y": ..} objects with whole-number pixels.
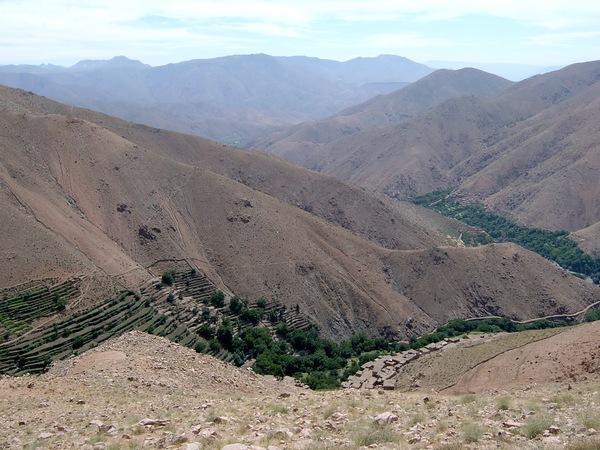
[
  {"x": 141, "y": 391},
  {"x": 570, "y": 356},
  {"x": 501, "y": 361}
]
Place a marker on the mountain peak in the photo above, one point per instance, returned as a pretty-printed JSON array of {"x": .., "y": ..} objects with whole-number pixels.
[{"x": 117, "y": 61}]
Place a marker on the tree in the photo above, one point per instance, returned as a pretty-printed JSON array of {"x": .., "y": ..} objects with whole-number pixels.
[
  {"x": 225, "y": 335},
  {"x": 217, "y": 299},
  {"x": 167, "y": 278},
  {"x": 235, "y": 304}
]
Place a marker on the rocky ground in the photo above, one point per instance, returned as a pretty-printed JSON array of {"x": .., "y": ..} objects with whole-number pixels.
[{"x": 141, "y": 391}]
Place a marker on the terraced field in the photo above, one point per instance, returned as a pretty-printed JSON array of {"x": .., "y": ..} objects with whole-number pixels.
[
  {"x": 176, "y": 311},
  {"x": 18, "y": 310}
]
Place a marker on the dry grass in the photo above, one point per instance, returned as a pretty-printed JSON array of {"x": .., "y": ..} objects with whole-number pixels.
[{"x": 536, "y": 425}]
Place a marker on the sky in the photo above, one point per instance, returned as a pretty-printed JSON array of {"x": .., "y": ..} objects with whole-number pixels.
[{"x": 533, "y": 32}]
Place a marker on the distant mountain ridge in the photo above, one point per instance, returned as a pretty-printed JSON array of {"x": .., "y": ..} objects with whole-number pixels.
[{"x": 230, "y": 98}]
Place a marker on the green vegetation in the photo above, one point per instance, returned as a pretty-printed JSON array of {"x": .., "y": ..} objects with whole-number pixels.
[
  {"x": 592, "y": 316},
  {"x": 318, "y": 362},
  {"x": 556, "y": 246},
  {"x": 279, "y": 340},
  {"x": 167, "y": 278},
  {"x": 18, "y": 311}
]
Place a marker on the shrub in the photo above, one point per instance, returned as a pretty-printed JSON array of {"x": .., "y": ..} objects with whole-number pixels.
[
  {"x": 78, "y": 342},
  {"x": 235, "y": 304},
  {"x": 206, "y": 331},
  {"x": 214, "y": 345},
  {"x": 217, "y": 299},
  {"x": 261, "y": 303},
  {"x": 167, "y": 278}
]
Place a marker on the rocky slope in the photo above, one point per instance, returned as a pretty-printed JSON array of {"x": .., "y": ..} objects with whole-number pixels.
[{"x": 141, "y": 391}]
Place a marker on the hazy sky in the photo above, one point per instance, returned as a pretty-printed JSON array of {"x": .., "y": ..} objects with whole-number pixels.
[{"x": 538, "y": 32}]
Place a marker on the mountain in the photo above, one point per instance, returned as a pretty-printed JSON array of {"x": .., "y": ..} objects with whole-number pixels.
[
  {"x": 229, "y": 99},
  {"x": 93, "y": 196},
  {"x": 529, "y": 152},
  {"x": 303, "y": 143},
  {"x": 381, "y": 69},
  {"x": 117, "y": 61},
  {"x": 513, "y": 72}
]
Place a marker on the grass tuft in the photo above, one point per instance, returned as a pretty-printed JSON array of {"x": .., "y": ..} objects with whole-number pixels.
[
  {"x": 472, "y": 433},
  {"x": 535, "y": 426}
]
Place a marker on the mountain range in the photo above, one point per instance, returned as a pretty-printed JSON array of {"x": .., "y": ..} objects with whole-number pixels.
[
  {"x": 86, "y": 194},
  {"x": 527, "y": 150},
  {"x": 228, "y": 99}
]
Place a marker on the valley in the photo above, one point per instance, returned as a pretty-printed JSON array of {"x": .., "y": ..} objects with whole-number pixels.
[{"x": 421, "y": 218}]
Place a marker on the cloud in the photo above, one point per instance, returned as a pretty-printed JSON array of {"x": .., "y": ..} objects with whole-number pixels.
[
  {"x": 102, "y": 28},
  {"x": 565, "y": 39},
  {"x": 405, "y": 40}
]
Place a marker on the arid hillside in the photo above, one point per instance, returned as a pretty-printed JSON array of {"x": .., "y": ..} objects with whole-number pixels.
[
  {"x": 87, "y": 193},
  {"x": 529, "y": 152},
  {"x": 303, "y": 143},
  {"x": 142, "y": 391}
]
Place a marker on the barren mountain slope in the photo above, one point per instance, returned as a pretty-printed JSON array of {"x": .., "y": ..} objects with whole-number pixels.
[
  {"x": 481, "y": 281},
  {"x": 120, "y": 206},
  {"x": 544, "y": 163},
  {"x": 303, "y": 142},
  {"x": 514, "y": 151},
  {"x": 589, "y": 239},
  {"x": 415, "y": 156},
  {"x": 389, "y": 223}
]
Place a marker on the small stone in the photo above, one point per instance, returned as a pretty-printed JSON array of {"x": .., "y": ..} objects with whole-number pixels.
[
  {"x": 511, "y": 424},
  {"x": 190, "y": 446},
  {"x": 337, "y": 416},
  {"x": 386, "y": 418},
  {"x": 154, "y": 422},
  {"x": 209, "y": 433},
  {"x": 219, "y": 419},
  {"x": 553, "y": 430},
  {"x": 45, "y": 435},
  {"x": 180, "y": 439}
]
